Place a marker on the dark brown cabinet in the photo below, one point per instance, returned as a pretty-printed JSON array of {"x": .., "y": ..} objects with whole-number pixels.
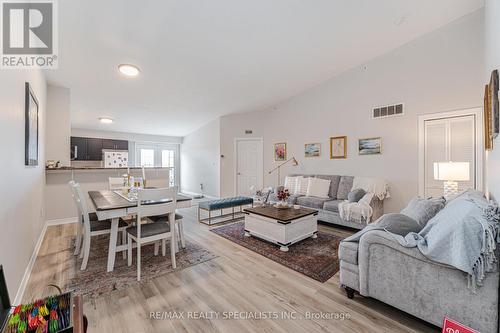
[
  {"x": 115, "y": 144},
  {"x": 94, "y": 149},
  {"x": 90, "y": 149},
  {"x": 78, "y": 149}
]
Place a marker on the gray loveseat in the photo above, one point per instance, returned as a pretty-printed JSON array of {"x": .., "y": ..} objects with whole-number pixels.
[
  {"x": 340, "y": 186},
  {"x": 404, "y": 278}
]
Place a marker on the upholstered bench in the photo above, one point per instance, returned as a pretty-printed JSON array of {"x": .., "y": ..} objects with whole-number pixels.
[{"x": 222, "y": 204}]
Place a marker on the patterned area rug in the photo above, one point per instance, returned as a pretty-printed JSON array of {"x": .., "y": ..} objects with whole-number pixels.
[
  {"x": 95, "y": 281},
  {"x": 316, "y": 258}
]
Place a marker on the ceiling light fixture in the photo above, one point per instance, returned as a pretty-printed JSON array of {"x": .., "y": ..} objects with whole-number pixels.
[
  {"x": 106, "y": 120},
  {"x": 129, "y": 70}
]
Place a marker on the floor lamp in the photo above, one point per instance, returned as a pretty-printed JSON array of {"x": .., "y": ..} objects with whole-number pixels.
[{"x": 294, "y": 163}]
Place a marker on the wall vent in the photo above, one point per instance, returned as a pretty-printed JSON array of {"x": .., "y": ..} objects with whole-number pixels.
[{"x": 388, "y": 111}]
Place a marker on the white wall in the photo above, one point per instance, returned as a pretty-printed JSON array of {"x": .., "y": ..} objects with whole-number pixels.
[
  {"x": 200, "y": 160},
  {"x": 58, "y": 125},
  {"x": 492, "y": 56},
  {"x": 21, "y": 211},
  {"x": 438, "y": 72}
]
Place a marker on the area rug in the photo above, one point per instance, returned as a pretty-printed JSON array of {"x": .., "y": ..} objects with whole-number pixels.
[
  {"x": 316, "y": 258},
  {"x": 95, "y": 281}
]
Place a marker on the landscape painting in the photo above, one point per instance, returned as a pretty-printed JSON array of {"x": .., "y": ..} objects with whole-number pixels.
[
  {"x": 280, "y": 151},
  {"x": 312, "y": 149},
  {"x": 370, "y": 146}
]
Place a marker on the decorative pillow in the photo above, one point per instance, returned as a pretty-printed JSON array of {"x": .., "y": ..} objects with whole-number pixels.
[
  {"x": 318, "y": 188},
  {"x": 356, "y": 195},
  {"x": 422, "y": 210},
  {"x": 302, "y": 184},
  {"x": 291, "y": 183},
  {"x": 399, "y": 224}
]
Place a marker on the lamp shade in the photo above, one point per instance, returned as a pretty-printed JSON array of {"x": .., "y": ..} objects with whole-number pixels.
[{"x": 456, "y": 171}]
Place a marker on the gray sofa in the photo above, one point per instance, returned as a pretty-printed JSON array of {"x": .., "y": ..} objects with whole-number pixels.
[
  {"x": 404, "y": 278},
  {"x": 340, "y": 186}
]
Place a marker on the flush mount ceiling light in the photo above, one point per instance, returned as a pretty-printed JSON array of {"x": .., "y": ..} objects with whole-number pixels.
[
  {"x": 106, "y": 120},
  {"x": 129, "y": 70}
]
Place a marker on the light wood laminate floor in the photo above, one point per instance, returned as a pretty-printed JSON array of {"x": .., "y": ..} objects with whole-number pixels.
[{"x": 237, "y": 281}]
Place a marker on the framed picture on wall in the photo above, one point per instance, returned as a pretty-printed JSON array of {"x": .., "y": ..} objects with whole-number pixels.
[
  {"x": 494, "y": 107},
  {"x": 338, "y": 147},
  {"x": 488, "y": 136},
  {"x": 31, "y": 127},
  {"x": 280, "y": 151},
  {"x": 312, "y": 149},
  {"x": 370, "y": 146}
]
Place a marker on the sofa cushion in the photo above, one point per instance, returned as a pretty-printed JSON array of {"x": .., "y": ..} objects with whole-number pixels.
[
  {"x": 291, "y": 183},
  {"x": 302, "y": 184},
  {"x": 348, "y": 251},
  {"x": 334, "y": 184},
  {"x": 422, "y": 210},
  {"x": 312, "y": 202},
  {"x": 318, "y": 188},
  {"x": 345, "y": 186},
  {"x": 356, "y": 195},
  {"x": 332, "y": 206}
]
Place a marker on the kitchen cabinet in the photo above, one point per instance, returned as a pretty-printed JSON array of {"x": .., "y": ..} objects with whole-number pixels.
[
  {"x": 94, "y": 149},
  {"x": 115, "y": 144},
  {"x": 78, "y": 148},
  {"x": 90, "y": 149}
]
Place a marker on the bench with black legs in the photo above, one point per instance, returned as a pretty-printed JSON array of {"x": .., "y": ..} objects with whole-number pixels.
[{"x": 220, "y": 205}]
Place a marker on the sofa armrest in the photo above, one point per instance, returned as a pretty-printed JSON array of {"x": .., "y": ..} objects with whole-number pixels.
[{"x": 382, "y": 238}]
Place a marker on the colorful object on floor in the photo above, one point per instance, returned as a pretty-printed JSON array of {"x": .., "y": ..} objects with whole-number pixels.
[
  {"x": 50, "y": 315},
  {"x": 451, "y": 326}
]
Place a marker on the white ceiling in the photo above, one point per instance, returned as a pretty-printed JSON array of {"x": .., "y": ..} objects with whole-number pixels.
[{"x": 203, "y": 59}]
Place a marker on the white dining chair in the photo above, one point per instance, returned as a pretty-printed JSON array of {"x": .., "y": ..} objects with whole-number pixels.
[
  {"x": 115, "y": 183},
  {"x": 153, "y": 202},
  {"x": 79, "y": 227},
  {"x": 178, "y": 223},
  {"x": 91, "y": 225}
]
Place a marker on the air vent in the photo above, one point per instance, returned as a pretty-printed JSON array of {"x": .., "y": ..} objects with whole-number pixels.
[{"x": 388, "y": 111}]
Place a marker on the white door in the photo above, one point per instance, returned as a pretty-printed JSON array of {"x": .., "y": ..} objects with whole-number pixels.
[
  {"x": 449, "y": 139},
  {"x": 249, "y": 166}
]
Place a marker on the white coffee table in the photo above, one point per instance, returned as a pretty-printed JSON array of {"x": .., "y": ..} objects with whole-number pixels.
[{"x": 283, "y": 227}]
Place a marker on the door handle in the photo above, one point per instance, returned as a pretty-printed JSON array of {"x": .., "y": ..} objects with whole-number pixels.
[
  {"x": 76, "y": 152},
  {"x": 239, "y": 173}
]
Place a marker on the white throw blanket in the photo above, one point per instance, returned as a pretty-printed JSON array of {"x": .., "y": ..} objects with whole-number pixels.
[
  {"x": 374, "y": 185},
  {"x": 359, "y": 212}
]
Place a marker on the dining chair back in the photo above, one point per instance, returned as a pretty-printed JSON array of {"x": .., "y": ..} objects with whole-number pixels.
[
  {"x": 79, "y": 233},
  {"x": 154, "y": 202},
  {"x": 115, "y": 183}
]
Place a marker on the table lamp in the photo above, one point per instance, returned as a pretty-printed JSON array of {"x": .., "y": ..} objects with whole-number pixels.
[{"x": 451, "y": 172}]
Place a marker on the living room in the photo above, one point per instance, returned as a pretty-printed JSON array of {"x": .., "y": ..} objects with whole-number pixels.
[{"x": 312, "y": 171}]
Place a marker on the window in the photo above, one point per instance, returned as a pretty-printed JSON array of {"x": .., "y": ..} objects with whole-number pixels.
[
  {"x": 168, "y": 161},
  {"x": 162, "y": 155},
  {"x": 147, "y": 158}
]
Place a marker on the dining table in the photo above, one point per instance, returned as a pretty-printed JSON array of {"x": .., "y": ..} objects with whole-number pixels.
[{"x": 113, "y": 205}]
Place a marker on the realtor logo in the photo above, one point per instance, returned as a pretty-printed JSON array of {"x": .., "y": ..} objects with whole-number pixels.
[{"x": 29, "y": 34}]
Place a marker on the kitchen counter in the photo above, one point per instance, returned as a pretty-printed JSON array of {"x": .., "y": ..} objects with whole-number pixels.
[{"x": 70, "y": 168}]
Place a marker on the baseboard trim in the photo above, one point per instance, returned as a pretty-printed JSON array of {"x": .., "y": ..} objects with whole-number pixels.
[
  {"x": 27, "y": 273},
  {"x": 66, "y": 220}
]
